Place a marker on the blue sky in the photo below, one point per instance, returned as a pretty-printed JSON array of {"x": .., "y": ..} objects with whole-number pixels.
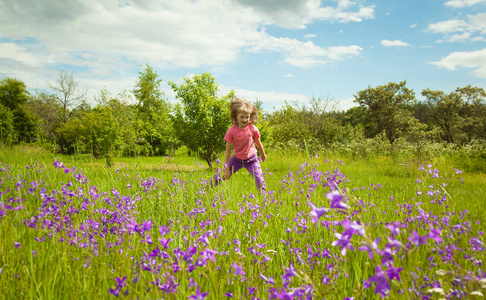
[{"x": 270, "y": 50}]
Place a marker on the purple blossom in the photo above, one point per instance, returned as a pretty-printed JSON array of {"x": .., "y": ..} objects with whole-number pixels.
[
  {"x": 382, "y": 286},
  {"x": 284, "y": 295},
  {"x": 114, "y": 292},
  {"x": 238, "y": 270},
  {"x": 316, "y": 213},
  {"x": 208, "y": 254},
  {"x": 435, "y": 234},
  {"x": 335, "y": 197},
  {"x": 417, "y": 240},
  {"x": 198, "y": 295},
  {"x": 352, "y": 228},
  {"x": 393, "y": 272},
  {"x": 395, "y": 227},
  {"x": 290, "y": 272},
  {"x": 370, "y": 248},
  {"x": 165, "y": 242},
  {"x": 343, "y": 241},
  {"x": 120, "y": 281},
  {"x": 163, "y": 230}
]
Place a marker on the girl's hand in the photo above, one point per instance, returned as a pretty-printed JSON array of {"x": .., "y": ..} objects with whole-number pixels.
[
  {"x": 263, "y": 157},
  {"x": 227, "y": 173}
]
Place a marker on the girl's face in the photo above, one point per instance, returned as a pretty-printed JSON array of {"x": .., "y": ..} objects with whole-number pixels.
[{"x": 243, "y": 119}]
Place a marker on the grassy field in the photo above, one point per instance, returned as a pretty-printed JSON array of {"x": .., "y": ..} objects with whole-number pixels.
[{"x": 329, "y": 227}]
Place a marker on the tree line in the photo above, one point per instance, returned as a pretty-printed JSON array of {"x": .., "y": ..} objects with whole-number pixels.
[{"x": 142, "y": 122}]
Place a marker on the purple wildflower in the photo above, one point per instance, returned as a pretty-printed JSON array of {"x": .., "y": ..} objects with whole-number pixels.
[
  {"x": 268, "y": 280},
  {"x": 370, "y": 248},
  {"x": 198, "y": 295},
  {"x": 393, "y": 272},
  {"x": 115, "y": 292},
  {"x": 316, "y": 213},
  {"x": 335, "y": 197},
  {"x": 343, "y": 241},
  {"x": 238, "y": 269},
  {"x": 395, "y": 227},
  {"x": 417, "y": 240},
  {"x": 382, "y": 286},
  {"x": 120, "y": 281}
]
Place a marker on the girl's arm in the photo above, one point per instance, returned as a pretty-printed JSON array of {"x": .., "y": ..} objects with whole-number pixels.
[
  {"x": 227, "y": 157},
  {"x": 259, "y": 145}
]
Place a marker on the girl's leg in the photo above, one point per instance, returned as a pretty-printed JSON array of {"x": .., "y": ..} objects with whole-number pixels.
[
  {"x": 255, "y": 170},
  {"x": 234, "y": 165}
]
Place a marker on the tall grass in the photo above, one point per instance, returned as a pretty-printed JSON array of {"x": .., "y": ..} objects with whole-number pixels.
[{"x": 75, "y": 230}]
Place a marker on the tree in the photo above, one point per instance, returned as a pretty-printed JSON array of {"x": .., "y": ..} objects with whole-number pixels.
[
  {"x": 46, "y": 108},
  {"x": 6, "y": 125},
  {"x": 14, "y": 97},
  {"x": 156, "y": 127},
  {"x": 302, "y": 124},
  {"x": 69, "y": 96},
  {"x": 473, "y": 112},
  {"x": 13, "y": 93},
  {"x": 386, "y": 108},
  {"x": 445, "y": 110},
  {"x": 202, "y": 118}
]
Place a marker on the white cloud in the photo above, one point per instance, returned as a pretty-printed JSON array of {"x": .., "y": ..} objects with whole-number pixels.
[
  {"x": 289, "y": 75},
  {"x": 305, "y": 54},
  {"x": 460, "y": 37},
  {"x": 478, "y": 39},
  {"x": 309, "y": 36},
  {"x": 345, "y": 104},
  {"x": 394, "y": 43},
  {"x": 449, "y": 26},
  {"x": 451, "y": 29},
  {"x": 299, "y": 13},
  {"x": 463, "y": 3},
  {"x": 108, "y": 39},
  {"x": 475, "y": 59},
  {"x": 17, "y": 53},
  {"x": 270, "y": 99}
]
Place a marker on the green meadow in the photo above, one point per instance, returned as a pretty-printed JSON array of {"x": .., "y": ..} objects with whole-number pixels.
[{"x": 330, "y": 226}]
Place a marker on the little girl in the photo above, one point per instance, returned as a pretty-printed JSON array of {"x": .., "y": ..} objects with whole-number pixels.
[{"x": 244, "y": 136}]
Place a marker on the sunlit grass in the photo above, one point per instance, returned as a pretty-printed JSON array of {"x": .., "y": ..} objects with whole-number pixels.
[{"x": 79, "y": 245}]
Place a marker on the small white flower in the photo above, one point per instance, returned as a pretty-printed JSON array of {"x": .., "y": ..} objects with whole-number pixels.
[
  {"x": 441, "y": 273},
  {"x": 436, "y": 290},
  {"x": 477, "y": 293}
]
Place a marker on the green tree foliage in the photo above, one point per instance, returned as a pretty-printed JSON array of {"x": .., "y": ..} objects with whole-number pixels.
[
  {"x": 303, "y": 125},
  {"x": 386, "y": 108},
  {"x": 473, "y": 112},
  {"x": 445, "y": 112},
  {"x": 46, "y": 108},
  {"x": 6, "y": 125},
  {"x": 202, "y": 118},
  {"x": 126, "y": 117},
  {"x": 155, "y": 128},
  {"x": 14, "y": 96},
  {"x": 263, "y": 124},
  {"x": 95, "y": 132}
]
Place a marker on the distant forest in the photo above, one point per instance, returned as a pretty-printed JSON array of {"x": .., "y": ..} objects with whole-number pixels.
[{"x": 142, "y": 122}]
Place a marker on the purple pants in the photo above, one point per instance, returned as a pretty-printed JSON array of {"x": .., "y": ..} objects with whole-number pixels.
[{"x": 252, "y": 164}]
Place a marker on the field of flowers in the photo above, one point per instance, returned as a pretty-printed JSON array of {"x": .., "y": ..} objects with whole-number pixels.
[{"x": 327, "y": 228}]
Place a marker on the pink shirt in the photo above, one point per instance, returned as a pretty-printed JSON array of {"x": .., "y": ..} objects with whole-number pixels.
[{"x": 243, "y": 140}]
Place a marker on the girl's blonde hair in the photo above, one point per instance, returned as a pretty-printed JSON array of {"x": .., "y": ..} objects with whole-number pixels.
[{"x": 237, "y": 105}]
